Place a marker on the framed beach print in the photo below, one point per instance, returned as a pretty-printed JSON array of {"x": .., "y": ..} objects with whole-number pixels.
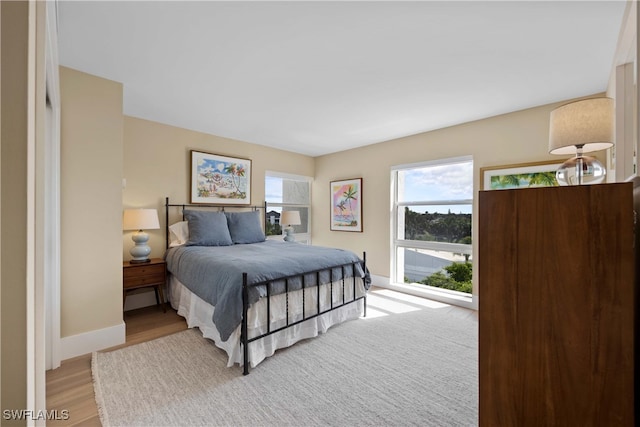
[
  {"x": 217, "y": 179},
  {"x": 346, "y": 205},
  {"x": 524, "y": 175}
]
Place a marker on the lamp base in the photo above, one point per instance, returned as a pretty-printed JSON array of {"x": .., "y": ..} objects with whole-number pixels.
[
  {"x": 289, "y": 237},
  {"x": 581, "y": 170},
  {"x": 140, "y": 252}
]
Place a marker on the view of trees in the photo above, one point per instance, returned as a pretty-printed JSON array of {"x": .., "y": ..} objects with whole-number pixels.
[
  {"x": 273, "y": 229},
  {"x": 456, "y": 277},
  {"x": 438, "y": 227}
]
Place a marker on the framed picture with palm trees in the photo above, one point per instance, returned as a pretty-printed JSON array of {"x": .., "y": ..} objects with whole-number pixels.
[
  {"x": 217, "y": 179},
  {"x": 523, "y": 175},
  {"x": 346, "y": 205}
]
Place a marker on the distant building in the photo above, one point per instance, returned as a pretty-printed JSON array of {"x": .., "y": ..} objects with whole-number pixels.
[{"x": 273, "y": 217}]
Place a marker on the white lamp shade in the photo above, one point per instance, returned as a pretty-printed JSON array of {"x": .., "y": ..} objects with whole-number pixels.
[
  {"x": 140, "y": 219},
  {"x": 588, "y": 123},
  {"x": 290, "y": 218}
]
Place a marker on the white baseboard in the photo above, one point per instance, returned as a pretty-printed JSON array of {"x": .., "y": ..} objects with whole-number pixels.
[
  {"x": 88, "y": 342},
  {"x": 380, "y": 281}
]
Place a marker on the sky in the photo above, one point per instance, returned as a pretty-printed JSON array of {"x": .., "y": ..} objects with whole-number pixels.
[
  {"x": 439, "y": 183},
  {"x": 273, "y": 189}
]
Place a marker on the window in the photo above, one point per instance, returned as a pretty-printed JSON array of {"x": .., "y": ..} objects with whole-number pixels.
[
  {"x": 432, "y": 205},
  {"x": 285, "y": 192}
]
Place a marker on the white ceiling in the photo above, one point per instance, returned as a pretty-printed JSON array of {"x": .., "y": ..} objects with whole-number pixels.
[{"x": 322, "y": 77}]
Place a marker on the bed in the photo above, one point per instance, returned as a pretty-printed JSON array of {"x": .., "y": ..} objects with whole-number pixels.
[{"x": 253, "y": 296}]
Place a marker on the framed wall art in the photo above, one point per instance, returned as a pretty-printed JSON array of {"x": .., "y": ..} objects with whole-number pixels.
[
  {"x": 346, "y": 205},
  {"x": 524, "y": 175},
  {"x": 217, "y": 179}
]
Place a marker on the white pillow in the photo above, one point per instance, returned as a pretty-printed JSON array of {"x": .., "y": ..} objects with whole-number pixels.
[{"x": 178, "y": 233}]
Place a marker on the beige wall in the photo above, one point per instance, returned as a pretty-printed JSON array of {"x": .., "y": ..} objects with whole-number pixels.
[
  {"x": 14, "y": 205},
  {"x": 157, "y": 165},
  {"x": 517, "y": 137},
  {"x": 91, "y": 202}
]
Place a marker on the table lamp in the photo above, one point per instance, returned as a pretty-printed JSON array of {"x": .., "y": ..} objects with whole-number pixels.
[
  {"x": 140, "y": 220},
  {"x": 288, "y": 219},
  {"x": 581, "y": 127}
]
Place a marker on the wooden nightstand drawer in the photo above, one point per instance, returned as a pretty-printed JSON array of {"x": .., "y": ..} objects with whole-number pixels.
[
  {"x": 143, "y": 270},
  {"x": 143, "y": 280}
]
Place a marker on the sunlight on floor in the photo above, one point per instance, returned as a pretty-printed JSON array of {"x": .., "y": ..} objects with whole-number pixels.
[
  {"x": 383, "y": 302},
  {"x": 372, "y": 313},
  {"x": 390, "y": 305}
]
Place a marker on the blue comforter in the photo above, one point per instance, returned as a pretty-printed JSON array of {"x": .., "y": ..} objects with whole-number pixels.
[{"x": 214, "y": 273}]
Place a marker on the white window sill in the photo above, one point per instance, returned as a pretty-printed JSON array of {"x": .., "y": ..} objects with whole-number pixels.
[{"x": 460, "y": 299}]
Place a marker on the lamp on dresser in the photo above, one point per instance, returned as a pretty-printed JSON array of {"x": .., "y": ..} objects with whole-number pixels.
[
  {"x": 288, "y": 219},
  {"x": 581, "y": 127},
  {"x": 140, "y": 220}
]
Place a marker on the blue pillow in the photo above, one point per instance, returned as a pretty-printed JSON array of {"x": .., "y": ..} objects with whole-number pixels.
[
  {"x": 207, "y": 228},
  {"x": 245, "y": 227}
]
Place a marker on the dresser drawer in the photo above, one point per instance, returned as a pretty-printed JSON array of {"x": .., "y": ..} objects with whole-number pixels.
[{"x": 143, "y": 270}]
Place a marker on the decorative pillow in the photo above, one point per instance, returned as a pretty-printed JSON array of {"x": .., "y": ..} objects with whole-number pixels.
[
  {"x": 178, "y": 233},
  {"x": 245, "y": 227},
  {"x": 207, "y": 228}
]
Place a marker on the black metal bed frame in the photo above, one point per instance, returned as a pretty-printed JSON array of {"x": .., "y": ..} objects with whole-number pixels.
[{"x": 268, "y": 284}]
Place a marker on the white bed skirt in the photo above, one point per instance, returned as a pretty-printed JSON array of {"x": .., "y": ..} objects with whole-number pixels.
[{"x": 198, "y": 314}]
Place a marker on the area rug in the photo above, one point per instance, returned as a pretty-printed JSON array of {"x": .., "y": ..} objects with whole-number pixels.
[{"x": 414, "y": 368}]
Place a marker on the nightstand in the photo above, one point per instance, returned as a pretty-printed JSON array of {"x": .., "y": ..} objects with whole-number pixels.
[{"x": 150, "y": 274}]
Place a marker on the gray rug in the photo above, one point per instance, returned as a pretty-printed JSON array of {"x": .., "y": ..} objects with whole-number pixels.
[{"x": 415, "y": 368}]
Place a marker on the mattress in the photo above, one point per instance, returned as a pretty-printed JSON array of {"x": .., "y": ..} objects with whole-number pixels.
[{"x": 199, "y": 314}]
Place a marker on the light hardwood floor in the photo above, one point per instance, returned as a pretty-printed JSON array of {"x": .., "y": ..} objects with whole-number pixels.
[{"x": 70, "y": 387}]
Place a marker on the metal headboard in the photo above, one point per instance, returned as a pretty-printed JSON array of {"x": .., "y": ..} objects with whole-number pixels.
[{"x": 205, "y": 206}]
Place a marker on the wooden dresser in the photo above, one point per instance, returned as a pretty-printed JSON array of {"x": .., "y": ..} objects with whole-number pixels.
[
  {"x": 557, "y": 305},
  {"x": 150, "y": 274}
]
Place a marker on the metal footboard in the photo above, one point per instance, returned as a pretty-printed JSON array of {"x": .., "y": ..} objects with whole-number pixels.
[{"x": 244, "y": 338}]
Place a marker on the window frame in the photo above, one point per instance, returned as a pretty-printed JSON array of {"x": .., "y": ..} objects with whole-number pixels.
[
  {"x": 304, "y": 238},
  {"x": 397, "y": 242}
]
